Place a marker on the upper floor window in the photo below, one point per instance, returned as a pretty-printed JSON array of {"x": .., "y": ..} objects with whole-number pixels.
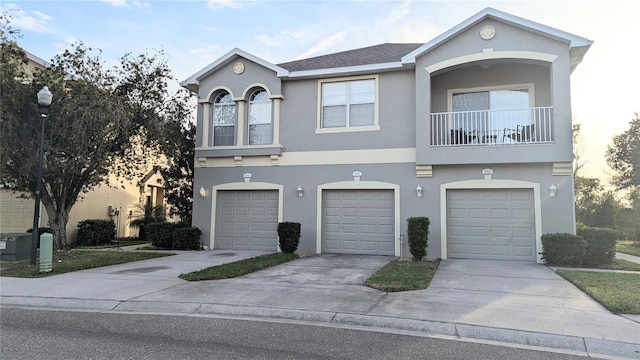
[
  {"x": 224, "y": 120},
  {"x": 346, "y": 104},
  {"x": 260, "y": 121}
]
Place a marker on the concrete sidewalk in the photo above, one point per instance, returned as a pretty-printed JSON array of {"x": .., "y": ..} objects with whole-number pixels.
[{"x": 518, "y": 303}]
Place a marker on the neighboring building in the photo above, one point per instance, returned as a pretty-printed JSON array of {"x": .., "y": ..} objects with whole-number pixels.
[
  {"x": 471, "y": 129},
  {"x": 102, "y": 202}
]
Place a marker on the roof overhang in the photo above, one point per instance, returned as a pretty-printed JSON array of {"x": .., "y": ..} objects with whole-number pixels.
[
  {"x": 577, "y": 44},
  {"x": 193, "y": 82}
]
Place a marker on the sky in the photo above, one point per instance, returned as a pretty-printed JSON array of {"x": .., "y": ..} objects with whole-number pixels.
[{"x": 605, "y": 87}]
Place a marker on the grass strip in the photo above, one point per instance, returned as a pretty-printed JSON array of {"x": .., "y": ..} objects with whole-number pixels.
[
  {"x": 239, "y": 268},
  {"x": 628, "y": 247},
  {"x": 402, "y": 275},
  {"x": 618, "y": 292},
  {"x": 68, "y": 261},
  {"x": 626, "y": 265}
]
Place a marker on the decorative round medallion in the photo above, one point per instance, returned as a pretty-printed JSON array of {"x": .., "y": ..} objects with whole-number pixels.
[
  {"x": 238, "y": 67},
  {"x": 487, "y": 32}
]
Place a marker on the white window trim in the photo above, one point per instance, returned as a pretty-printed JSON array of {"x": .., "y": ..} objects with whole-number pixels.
[
  {"x": 376, "y": 124},
  {"x": 529, "y": 86},
  {"x": 213, "y": 119}
]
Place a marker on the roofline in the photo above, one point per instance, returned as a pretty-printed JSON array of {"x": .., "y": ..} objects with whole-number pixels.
[
  {"x": 36, "y": 59},
  {"x": 193, "y": 82},
  {"x": 346, "y": 70},
  {"x": 573, "y": 40}
]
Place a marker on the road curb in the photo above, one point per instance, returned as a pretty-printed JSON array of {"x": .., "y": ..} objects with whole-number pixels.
[{"x": 586, "y": 346}]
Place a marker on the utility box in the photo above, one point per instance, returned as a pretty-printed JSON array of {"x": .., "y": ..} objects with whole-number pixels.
[{"x": 15, "y": 246}]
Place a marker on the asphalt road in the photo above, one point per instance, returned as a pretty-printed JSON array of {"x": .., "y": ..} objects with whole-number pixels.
[{"x": 32, "y": 334}]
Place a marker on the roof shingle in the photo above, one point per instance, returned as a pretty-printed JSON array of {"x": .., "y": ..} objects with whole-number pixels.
[{"x": 377, "y": 54}]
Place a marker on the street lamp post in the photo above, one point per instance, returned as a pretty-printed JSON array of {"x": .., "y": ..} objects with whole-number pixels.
[{"x": 44, "y": 100}]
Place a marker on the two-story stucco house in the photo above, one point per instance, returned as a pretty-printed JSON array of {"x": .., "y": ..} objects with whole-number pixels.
[{"x": 471, "y": 129}]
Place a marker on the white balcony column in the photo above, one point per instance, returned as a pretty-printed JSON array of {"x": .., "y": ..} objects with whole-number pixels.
[
  {"x": 206, "y": 118},
  {"x": 276, "y": 120},
  {"x": 241, "y": 122}
]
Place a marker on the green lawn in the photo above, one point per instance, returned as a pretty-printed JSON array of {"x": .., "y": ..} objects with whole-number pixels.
[
  {"x": 626, "y": 265},
  {"x": 74, "y": 260},
  {"x": 618, "y": 292},
  {"x": 402, "y": 275},
  {"x": 628, "y": 247},
  {"x": 239, "y": 268}
]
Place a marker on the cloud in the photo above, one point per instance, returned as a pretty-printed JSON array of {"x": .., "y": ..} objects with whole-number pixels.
[
  {"x": 128, "y": 3},
  {"x": 35, "y": 21},
  {"x": 219, "y": 4},
  {"x": 284, "y": 38},
  {"x": 324, "y": 44},
  {"x": 209, "y": 53}
]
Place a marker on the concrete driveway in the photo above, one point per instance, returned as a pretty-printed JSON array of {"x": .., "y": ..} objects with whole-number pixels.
[
  {"x": 508, "y": 294},
  {"x": 516, "y": 302},
  {"x": 327, "y": 283}
]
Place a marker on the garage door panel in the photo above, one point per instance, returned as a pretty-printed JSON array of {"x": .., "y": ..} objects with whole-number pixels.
[
  {"x": 247, "y": 220},
  {"x": 499, "y": 214},
  {"x": 490, "y": 224},
  {"x": 358, "y": 222}
]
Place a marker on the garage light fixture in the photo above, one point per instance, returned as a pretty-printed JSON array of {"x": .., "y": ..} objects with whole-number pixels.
[
  {"x": 552, "y": 190},
  {"x": 419, "y": 191},
  {"x": 300, "y": 191},
  {"x": 203, "y": 191}
]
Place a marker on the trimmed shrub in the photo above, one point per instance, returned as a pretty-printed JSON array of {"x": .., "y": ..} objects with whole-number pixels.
[
  {"x": 563, "y": 249},
  {"x": 96, "y": 232},
  {"x": 42, "y": 230},
  {"x": 160, "y": 234},
  {"x": 288, "y": 236},
  {"x": 600, "y": 244},
  {"x": 187, "y": 238},
  {"x": 418, "y": 235}
]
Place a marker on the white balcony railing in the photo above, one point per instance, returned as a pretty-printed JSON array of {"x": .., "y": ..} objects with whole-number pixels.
[{"x": 493, "y": 127}]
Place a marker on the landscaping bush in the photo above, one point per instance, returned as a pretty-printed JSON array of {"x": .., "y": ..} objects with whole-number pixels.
[
  {"x": 600, "y": 244},
  {"x": 563, "y": 249},
  {"x": 289, "y": 236},
  {"x": 95, "y": 232},
  {"x": 418, "y": 234},
  {"x": 160, "y": 234},
  {"x": 42, "y": 230},
  {"x": 187, "y": 238}
]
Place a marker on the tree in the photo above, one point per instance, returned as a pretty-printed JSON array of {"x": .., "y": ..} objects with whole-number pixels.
[
  {"x": 178, "y": 174},
  {"x": 145, "y": 214},
  {"x": 624, "y": 158},
  {"x": 102, "y": 122},
  {"x": 578, "y": 161}
]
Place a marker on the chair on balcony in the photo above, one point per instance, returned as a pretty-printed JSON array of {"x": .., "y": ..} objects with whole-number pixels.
[
  {"x": 461, "y": 137},
  {"x": 522, "y": 133}
]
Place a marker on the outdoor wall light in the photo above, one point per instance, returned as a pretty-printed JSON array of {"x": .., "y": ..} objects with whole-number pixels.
[
  {"x": 552, "y": 190},
  {"x": 300, "y": 191},
  {"x": 203, "y": 191},
  {"x": 419, "y": 191}
]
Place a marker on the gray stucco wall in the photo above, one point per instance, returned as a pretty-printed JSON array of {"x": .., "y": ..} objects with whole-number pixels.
[
  {"x": 557, "y": 213},
  {"x": 396, "y": 117}
]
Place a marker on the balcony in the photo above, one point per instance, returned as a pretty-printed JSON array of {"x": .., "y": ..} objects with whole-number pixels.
[{"x": 493, "y": 127}]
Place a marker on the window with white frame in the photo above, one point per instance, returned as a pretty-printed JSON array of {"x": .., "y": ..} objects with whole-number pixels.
[
  {"x": 260, "y": 121},
  {"x": 491, "y": 109},
  {"x": 224, "y": 120},
  {"x": 346, "y": 104}
]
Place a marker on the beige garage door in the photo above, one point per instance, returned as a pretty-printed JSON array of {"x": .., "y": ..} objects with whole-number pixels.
[
  {"x": 247, "y": 220},
  {"x": 491, "y": 224},
  {"x": 358, "y": 222}
]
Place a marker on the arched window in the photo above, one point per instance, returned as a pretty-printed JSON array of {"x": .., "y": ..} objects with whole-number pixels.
[
  {"x": 224, "y": 120},
  {"x": 260, "y": 129}
]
